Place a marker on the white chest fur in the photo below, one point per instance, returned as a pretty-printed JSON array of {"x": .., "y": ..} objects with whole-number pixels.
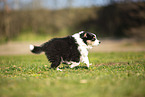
[
  {"x": 83, "y": 52},
  {"x": 83, "y": 48}
]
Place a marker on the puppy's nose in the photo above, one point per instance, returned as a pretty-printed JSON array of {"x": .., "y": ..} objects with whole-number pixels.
[{"x": 99, "y": 42}]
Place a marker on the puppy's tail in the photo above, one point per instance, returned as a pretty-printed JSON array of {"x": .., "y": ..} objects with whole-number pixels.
[{"x": 36, "y": 49}]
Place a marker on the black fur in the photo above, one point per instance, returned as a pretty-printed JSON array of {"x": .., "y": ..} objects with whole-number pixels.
[
  {"x": 37, "y": 50},
  {"x": 59, "y": 49},
  {"x": 87, "y": 36}
]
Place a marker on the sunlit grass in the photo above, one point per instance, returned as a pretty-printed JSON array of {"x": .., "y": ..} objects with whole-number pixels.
[
  {"x": 30, "y": 36},
  {"x": 111, "y": 75}
]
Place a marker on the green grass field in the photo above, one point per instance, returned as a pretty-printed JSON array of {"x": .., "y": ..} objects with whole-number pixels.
[{"x": 118, "y": 74}]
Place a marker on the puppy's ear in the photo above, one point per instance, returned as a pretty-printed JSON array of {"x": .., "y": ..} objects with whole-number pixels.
[{"x": 83, "y": 35}]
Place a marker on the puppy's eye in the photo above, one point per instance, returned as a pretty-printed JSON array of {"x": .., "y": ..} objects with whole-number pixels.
[{"x": 93, "y": 39}]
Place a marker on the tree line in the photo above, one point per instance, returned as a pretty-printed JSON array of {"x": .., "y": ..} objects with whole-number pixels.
[{"x": 112, "y": 20}]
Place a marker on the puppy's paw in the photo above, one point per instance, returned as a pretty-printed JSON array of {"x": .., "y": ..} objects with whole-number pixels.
[
  {"x": 59, "y": 69},
  {"x": 88, "y": 66}
]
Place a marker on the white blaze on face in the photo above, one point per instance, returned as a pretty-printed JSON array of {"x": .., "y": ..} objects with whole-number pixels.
[
  {"x": 93, "y": 43},
  {"x": 96, "y": 42}
]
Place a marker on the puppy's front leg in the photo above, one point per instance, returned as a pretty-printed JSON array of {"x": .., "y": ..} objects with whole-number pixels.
[{"x": 86, "y": 61}]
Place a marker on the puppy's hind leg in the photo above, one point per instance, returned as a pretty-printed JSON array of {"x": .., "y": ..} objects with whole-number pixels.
[
  {"x": 58, "y": 69},
  {"x": 56, "y": 63},
  {"x": 74, "y": 64}
]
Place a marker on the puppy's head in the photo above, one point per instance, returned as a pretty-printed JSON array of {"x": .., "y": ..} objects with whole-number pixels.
[{"x": 89, "y": 38}]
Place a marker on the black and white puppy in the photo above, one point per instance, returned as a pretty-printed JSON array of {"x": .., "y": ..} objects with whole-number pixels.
[{"x": 70, "y": 50}]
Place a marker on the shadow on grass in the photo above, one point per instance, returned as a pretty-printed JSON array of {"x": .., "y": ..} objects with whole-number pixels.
[{"x": 77, "y": 67}]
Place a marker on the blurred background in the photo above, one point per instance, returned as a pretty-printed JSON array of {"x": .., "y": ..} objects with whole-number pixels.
[{"x": 120, "y": 24}]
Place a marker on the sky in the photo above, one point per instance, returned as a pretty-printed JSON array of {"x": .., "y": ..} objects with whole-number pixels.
[
  {"x": 55, "y": 4},
  {"x": 76, "y": 3}
]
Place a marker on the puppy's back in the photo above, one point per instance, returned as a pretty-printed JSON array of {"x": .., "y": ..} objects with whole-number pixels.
[{"x": 66, "y": 47}]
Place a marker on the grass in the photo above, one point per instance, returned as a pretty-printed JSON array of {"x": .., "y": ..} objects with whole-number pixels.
[{"x": 119, "y": 74}]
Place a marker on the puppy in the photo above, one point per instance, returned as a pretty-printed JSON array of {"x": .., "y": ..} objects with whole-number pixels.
[{"x": 70, "y": 50}]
